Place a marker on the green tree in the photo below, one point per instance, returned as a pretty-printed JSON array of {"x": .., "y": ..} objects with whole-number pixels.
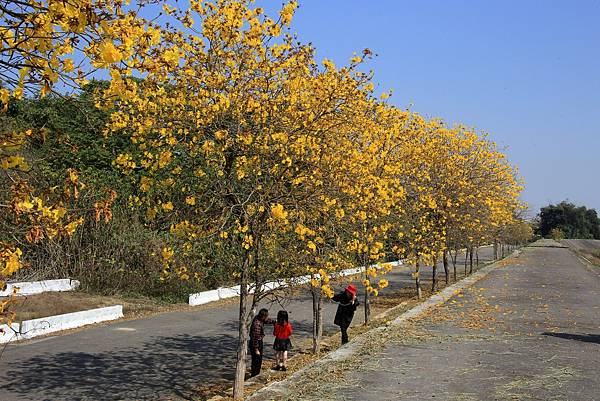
[{"x": 574, "y": 221}]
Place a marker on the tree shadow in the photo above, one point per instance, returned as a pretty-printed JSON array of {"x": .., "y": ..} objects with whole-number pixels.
[
  {"x": 160, "y": 369},
  {"x": 587, "y": 338}
]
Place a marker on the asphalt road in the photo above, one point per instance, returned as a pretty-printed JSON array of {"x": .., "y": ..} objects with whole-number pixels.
[
  {"x": 582, "y": 244},
  {"x": 530, "y": 330},
  {"x": 160, "y": 357}
]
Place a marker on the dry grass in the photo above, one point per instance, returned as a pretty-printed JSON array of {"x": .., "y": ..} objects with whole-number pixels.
[
  {"x": 592, "y": 255},
  {"x": 57, "y": 303}
]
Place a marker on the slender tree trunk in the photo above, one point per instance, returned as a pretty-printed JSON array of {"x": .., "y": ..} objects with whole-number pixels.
[
  {"x": 446, "y": 271},
  {"x": 471, "y": 260},
  {"x": 466, "y": 259},
  {"x": 495, "y": 249},
  {"x": 367, "y": 306},
  {"x": 317, "y": 299},
  {"x": 454, "y": 262},
  {"x": 418, "y": 280},
  {"x": 434, "y": 275},
  {"x": 477, "y": 256},
  {"x": 242, "y": 345}
]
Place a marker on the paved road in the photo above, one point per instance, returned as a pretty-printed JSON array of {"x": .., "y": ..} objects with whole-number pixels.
[
  {"x": 167, "y": 355},
  {"x": 582, "y": 244},
  {"x": 530, "y": 330}
]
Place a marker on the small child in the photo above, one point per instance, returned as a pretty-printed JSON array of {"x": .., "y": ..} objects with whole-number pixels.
[{"x": 282, "y": 344}]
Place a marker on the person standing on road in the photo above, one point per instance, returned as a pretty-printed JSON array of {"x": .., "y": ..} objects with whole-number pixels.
[
  {"x": 257, "y": 333},
  {"x": 345, "y": 311},
  {"x": 282, "y": 332}
]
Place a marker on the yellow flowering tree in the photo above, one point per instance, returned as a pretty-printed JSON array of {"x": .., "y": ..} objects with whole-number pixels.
[
  {"x": 45, "y": 45},
  {"x": 235, "y": 128},
  {"x": 375, "y": 192}
]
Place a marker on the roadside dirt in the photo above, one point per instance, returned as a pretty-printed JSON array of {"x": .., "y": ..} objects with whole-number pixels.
[{"x": 57, "y": 303}]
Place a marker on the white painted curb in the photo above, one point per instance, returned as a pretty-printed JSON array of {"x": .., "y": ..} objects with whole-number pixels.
[
  {"x": 302, "y": 280},
  {"x": 272, "y": 285},
  {"x": 9, "y": 333},
  {"x": 205, "y": 297},
  {"x": 229, "y": 292},
  {"x": 38, "y": 287},
  {"x": 45, "y": 325}
]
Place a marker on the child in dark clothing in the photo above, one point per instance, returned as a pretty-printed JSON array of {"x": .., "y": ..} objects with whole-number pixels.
[
  {"x": 345, "y": 311},
  {"x": 282, "y": 332}
]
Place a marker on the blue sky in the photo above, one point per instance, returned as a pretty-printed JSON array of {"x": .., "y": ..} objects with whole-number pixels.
[{"x": 527, "y": 72}]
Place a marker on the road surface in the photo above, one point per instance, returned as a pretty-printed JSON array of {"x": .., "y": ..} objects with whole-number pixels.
[
  {"x": 159, "y": 357},
  {"x": 530, "y": 330},
  {"x": 589, "y": 245}
]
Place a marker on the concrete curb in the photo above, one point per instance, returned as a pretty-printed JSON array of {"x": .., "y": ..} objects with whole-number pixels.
[
  {"x": 9, "y": 333},
  {"x": 275, "y": 389},
  {"x": 205, "y": 297},
  {"x": 38, "y": 327},
  {"x": 37, "y": 287}
]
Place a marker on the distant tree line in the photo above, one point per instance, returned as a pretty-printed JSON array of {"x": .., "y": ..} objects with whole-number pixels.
[{"x": 566, "y": 220}]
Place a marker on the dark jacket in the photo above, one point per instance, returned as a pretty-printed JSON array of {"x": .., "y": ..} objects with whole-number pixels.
[
  {"x": 345, "y": 310},
  {"x": 257, "y": 331}
]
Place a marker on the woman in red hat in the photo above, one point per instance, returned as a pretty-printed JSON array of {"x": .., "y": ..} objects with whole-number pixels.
[{"x": 345, "y": 311}]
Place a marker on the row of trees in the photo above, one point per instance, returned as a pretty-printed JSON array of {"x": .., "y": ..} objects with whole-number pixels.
[
  {"x": 276, "y": 164},
  {"x": 252, "y": 156}
]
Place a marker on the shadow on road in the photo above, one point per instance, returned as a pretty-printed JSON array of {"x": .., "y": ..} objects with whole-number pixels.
[
  {"x": 154, "y": 367},
  {"x": 588, "y": 338},
  {"x": 162, "y": 368}
]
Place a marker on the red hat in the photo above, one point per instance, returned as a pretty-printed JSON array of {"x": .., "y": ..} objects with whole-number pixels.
[{"x": 352, "y": 289}]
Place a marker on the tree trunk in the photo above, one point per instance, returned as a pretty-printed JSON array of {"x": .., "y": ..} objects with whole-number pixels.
[
  {"x": 367, "y": 306},
  {"x": 367, "y": 300},
  {"x": 454, "y": 262},
  {"x": 434, "y": 275},
  {"x": 418, "y": 280},
  {"x": 471, "y": 260},
  {"x": 477, "y": 257},
  {"x": 495, "y": 249},
  {"x": 242, "y": 345},
  {"x": 317, "y": 299},
  {"x": 446, "y": 271},
  {"x": 466, "y": 259}
]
